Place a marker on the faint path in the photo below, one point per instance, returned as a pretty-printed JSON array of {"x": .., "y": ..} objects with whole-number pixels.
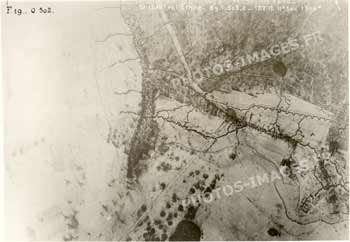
[{"x": 180, "y": 52}]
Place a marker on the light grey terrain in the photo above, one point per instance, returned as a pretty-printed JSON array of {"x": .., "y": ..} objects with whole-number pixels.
[{"x": 133, "y": 121}]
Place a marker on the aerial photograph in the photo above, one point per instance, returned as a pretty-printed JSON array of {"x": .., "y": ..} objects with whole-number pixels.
[{"x": 175, "y": 120}]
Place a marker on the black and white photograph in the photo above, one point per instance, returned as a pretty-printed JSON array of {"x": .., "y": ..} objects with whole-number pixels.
[{"x": 174, "y": 120}]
